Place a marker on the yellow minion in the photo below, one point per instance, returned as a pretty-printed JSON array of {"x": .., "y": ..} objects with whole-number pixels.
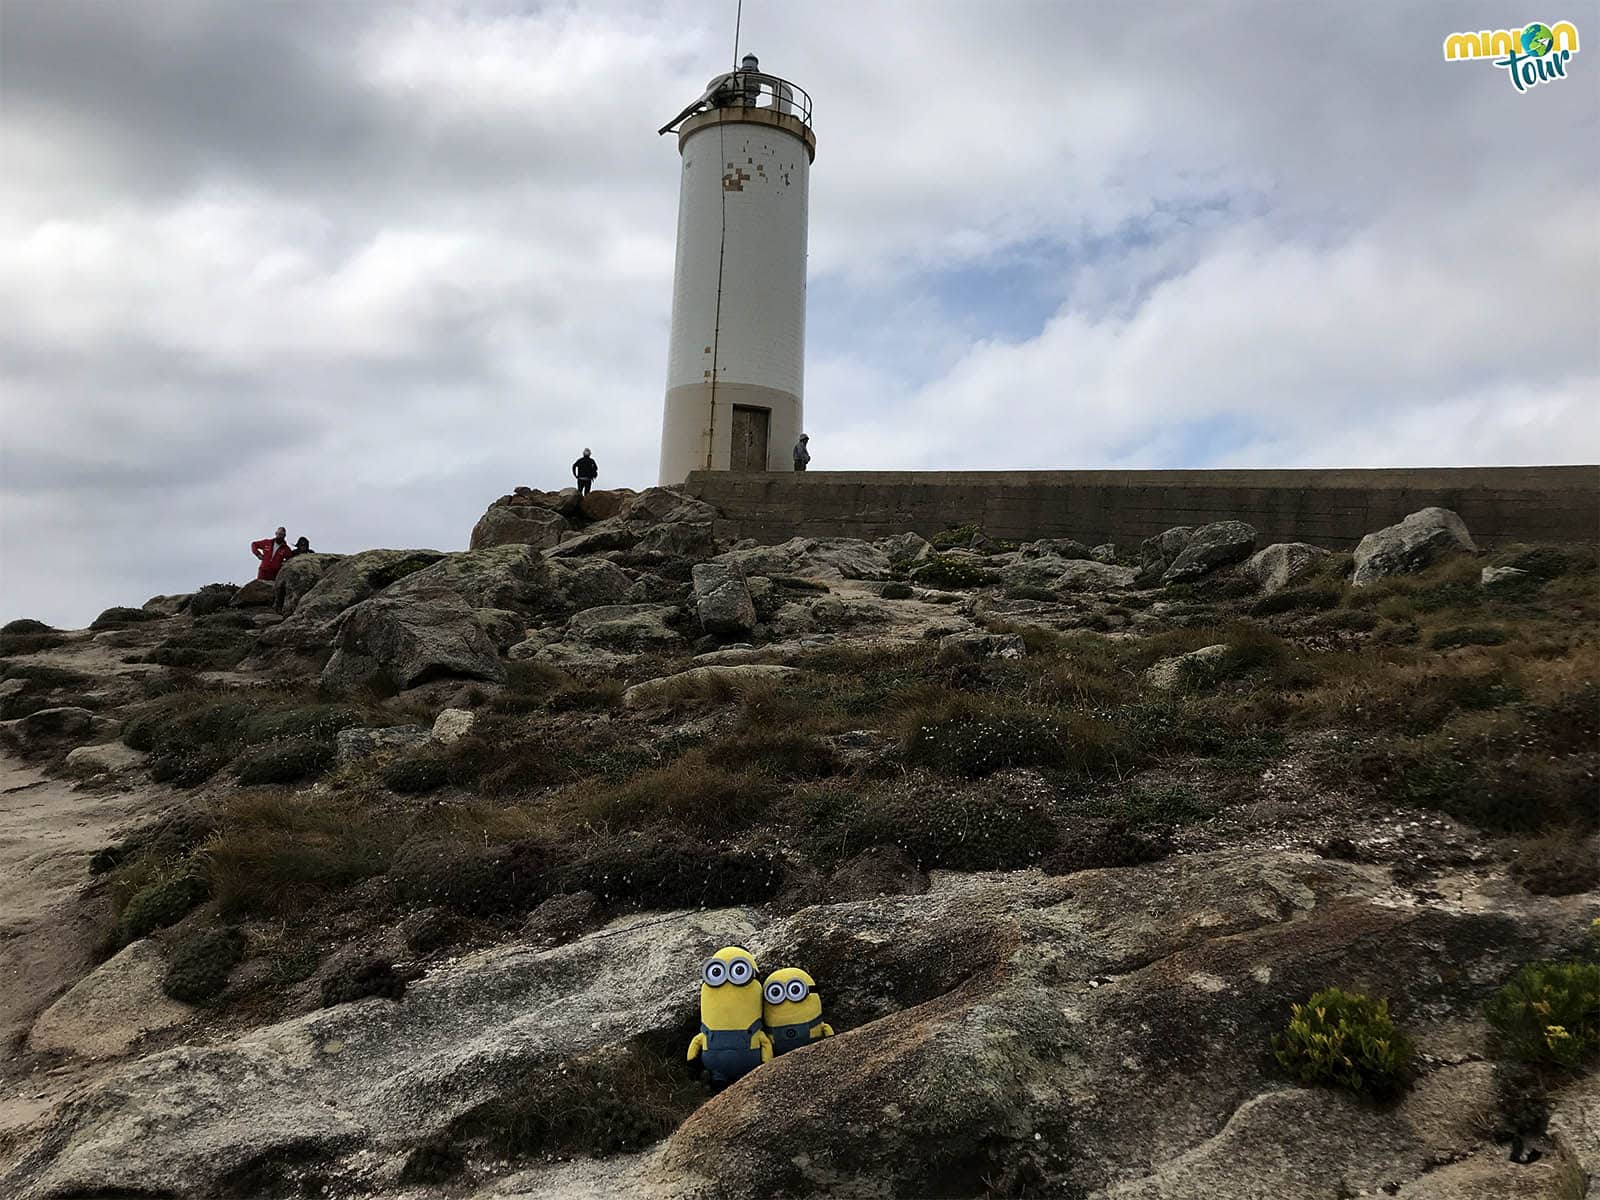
[
  {"x": 731, "y": 1042},
  {"x": 792, "y": 1010}
]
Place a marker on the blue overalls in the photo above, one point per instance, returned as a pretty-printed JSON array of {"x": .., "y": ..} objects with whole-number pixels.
[
  {"x": 791, "y": 1037},
  {"x": 728, "y": 1055}
]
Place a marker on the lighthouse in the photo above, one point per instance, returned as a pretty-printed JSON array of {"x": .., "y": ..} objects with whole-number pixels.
[{"x": 736, "y": 361}]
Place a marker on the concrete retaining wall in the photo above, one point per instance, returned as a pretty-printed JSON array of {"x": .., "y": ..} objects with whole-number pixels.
[{"x": 1328, "y": 508}]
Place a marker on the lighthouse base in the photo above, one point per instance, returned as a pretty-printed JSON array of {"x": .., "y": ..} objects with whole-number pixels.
[{"x": 744, "y": 427}]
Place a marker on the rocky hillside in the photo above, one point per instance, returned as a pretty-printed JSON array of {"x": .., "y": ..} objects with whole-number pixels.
[{"x": 403, "y": 891}]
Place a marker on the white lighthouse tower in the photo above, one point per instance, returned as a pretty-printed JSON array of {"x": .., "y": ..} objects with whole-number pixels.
[{"x": 736, "y": 365}]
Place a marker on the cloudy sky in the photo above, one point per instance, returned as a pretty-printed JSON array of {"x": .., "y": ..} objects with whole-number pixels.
[{"x": 360, "y": 267}]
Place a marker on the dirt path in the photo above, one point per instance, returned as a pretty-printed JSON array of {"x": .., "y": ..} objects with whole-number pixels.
[{"x": 48, "y": 830}]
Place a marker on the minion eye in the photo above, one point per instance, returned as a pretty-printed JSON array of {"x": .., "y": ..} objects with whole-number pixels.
[
  {"x": 740, "y": 971},
  {"x": 774, "y": 993},
  {"x": 715, "y": 973},
  {"x": 797, "y": 990}
]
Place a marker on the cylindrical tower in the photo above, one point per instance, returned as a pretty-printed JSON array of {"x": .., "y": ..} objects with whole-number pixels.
[{"x": 736, "y": 363}]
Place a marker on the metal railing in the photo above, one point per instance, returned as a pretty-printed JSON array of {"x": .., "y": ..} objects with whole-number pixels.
[{"x": 749, "y": 89}]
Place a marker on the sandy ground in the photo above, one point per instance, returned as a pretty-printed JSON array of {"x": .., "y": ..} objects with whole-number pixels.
[{"x": 48, "y": 830}]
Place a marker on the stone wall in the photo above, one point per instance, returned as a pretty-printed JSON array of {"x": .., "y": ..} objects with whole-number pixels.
[{"x": 1329, "y": 508}]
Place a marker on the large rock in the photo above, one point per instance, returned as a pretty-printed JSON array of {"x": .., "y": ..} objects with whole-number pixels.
[
  {"x": 1167, "y": 674},
  {"x": 722, "y": 599},
  {"x": 360, "y": 742},
  {"x": 588, "y": 583},
  {"x": 814, "y": 558},
  {"x": 656, "y": 505},
  {"x": 512, "y": 577},
  {"x": 1048, "y": 1035},
  {"x": 523, "y": 525},
  {"x": 1066, "y": 575},
  {"x": 340, "y": 585},
  {"x": 906, "y": 547},
  {"x": 49, "y": 726},
  {"x": 412, "y": 639},
  {"x": 1282, "y": 563},
  {"x": 168, "y": 606},
  {"x": 255, "y": 594},
  {"x": 700, "y": 682},
  {"x": 687, "y": 539},
  {"x": 1209, "y": 547},
  {"x": 1066, "y": 548},
  {"x": 1097, "y": 1032},
  {"x": 300, "y": 574},
  {"x": 595, "y": 541},
  {"x": 626, "y": 626},
  {"x": 1157, "y": 553},
  {"x": 1416, "y": 542},
  {"x": 373, "y": 1074},
  {"x": 107, "y": 758},
  {"x": 111, "y": 1008}
]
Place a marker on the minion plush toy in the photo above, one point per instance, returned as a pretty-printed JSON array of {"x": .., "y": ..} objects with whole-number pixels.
[
  {"x": 731, "y": 1042},
  {"x": 792, "y": 1010}
]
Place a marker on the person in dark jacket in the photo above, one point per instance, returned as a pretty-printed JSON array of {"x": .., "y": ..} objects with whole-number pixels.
[
  {"x": 802, "y": 456},
  {"x": 585, "y": 471},
  {"x": 280, "y": 586},
  {"x": 301, "y": 546},
  {"x": 273, "y": 553}
]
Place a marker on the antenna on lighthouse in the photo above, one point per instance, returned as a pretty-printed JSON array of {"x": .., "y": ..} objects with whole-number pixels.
[{"x": 738, "y": 16}]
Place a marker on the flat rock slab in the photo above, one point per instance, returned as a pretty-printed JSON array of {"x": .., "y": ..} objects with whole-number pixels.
[{"x": 111, "y": 1008}]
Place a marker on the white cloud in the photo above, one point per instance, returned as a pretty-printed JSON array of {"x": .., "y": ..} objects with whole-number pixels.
[{"x": 361, "y": 268}]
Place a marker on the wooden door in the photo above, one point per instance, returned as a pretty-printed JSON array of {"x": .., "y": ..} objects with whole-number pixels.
[{"x": 749, "y": 438}]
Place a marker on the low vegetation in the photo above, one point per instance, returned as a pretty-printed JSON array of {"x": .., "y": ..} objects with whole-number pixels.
[
  {"x": 1346, "y": 1040},
  {"x": 1549, "y": 1014}
]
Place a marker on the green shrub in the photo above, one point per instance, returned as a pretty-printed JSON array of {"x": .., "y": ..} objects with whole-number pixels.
[
  {"x": 964, "y": 832},
  {"x": 213, "y": 597},
  {"x": 956, "y": 537},
  {"x": 1112, "y": 843},
  {"x": 416, "y": 774},
  {"x": 641, "y": 873},
  {"x": 30, "y": 643},
  {"x": 166, "y": 901},
  {"x": 396, "y": 571},
  {"x": 782, "y": 754},
  {"x": 974, "y": 743},
  {"x": 1540, "y": 562},
  {"x": 199, "y": 965},
  {"x": 202, "y": 647},
  {"x": 119, "y": 618},
  {"x": 896, "y": 591},
  {"x": 476, "y": 880},
  {"x": 619, "y": 1100},
  {"x": 1298, "y": 599},
  {"x": 1028, "y": 592},
  {"x": 1559, "y": 864},
  {"x": 1351, "y": 620},
  {"x": 319, "y": 722},
  {"x": 286, "y": 761},
  {"x": 26, "y": 625},
  {"x": 360, "y": 978},
  {"x": 1345, "y": 1039},
  {"x": 279, "y": 853},
  {"x": 692, "y": 793},
  {"x": 947, "y": 571},
  {"x": 1549, "y": 1013},
  {"x": 1467, "y": 635}
]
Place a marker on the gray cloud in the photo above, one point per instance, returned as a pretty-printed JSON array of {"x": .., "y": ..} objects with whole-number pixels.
[{"x": 359, "y": 268}]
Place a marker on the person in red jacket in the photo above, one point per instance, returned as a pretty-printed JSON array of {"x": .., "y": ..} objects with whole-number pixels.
[{"x": 273, "y": 553}]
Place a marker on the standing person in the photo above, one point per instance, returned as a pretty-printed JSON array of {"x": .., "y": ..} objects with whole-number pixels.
[
  {"x": 273, "y": 553},
  {"x": 585, "y": 471},
  {"x": 301, "y": 546},
  {"x": 801, "y": 455}
]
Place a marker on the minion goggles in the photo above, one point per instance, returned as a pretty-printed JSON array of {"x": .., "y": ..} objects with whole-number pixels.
[{"x": 737, "y": 971}]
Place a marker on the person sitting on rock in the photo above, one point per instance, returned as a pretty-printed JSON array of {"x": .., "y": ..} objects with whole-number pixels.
[
  {"x": 585, "y": 471},
  {"x": 802, "y": 456},
  {"x": 280, "y": 586},
  {"x": 273, "y": 553}
]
